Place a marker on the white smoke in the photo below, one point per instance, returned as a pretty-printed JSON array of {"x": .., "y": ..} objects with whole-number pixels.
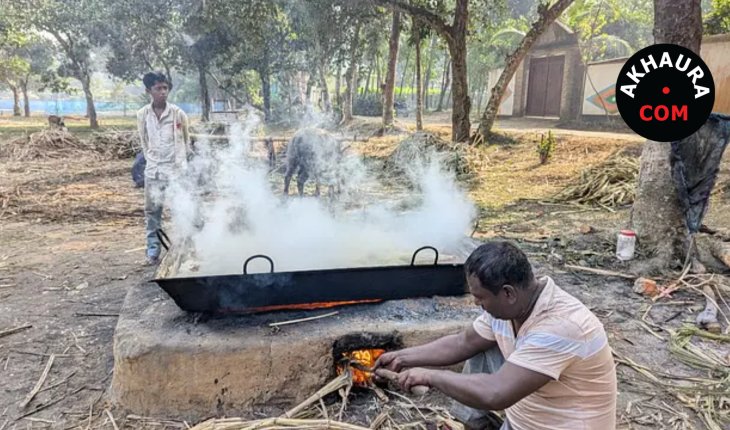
[{"x": 244, "y": 214}]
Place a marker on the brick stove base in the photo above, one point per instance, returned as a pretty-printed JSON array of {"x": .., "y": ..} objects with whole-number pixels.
[{"x": 168, "y": 363}]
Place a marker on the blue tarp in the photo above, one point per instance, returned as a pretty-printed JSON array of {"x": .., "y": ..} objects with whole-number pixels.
[{"x": 78, "y": 107}]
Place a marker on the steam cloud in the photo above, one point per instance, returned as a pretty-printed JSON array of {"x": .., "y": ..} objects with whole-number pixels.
[{"x": 244, "y": 214}]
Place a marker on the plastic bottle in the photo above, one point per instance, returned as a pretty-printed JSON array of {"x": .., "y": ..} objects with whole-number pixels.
[{"x": 625, "y": 245}]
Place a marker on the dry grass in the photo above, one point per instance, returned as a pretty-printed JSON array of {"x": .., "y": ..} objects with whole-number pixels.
[
  {"x": 69, "y": 190},
  {"x": 506, "y": 174},
  {"x": 609, "y": 184},
  {"x": 116, "y": 144},
  {"x": 48, "y": 143}
]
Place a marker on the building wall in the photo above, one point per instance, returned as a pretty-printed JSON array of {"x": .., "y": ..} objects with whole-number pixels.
[
  {"x": 573, "y": 72},
  {"x": 716, "y": 53},
  {"x": 599, "y": 88},
  {"x": 506, "y": 107},
  {"x": 557, "y": 40}
]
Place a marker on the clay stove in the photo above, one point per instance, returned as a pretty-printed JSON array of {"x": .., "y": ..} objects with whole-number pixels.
[{"x": 179, "y": 351}]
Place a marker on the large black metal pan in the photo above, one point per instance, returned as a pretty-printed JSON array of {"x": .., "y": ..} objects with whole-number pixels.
[{"x": 259, "y": 292}]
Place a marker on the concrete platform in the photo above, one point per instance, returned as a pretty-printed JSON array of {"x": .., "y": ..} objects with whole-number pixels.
[{"x": 168, "y": 363}]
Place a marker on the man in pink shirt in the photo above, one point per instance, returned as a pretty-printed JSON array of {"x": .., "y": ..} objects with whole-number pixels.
[{"x": 536, "y": 352}]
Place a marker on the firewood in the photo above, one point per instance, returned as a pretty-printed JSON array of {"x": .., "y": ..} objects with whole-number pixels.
[{"x": 707, "y": 319}]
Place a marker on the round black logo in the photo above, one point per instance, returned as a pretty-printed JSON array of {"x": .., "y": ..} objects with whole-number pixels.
[{"x": 665, "y": 92}]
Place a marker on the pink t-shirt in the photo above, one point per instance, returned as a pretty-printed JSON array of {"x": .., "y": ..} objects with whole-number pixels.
[{"x": 565, "y": 341}]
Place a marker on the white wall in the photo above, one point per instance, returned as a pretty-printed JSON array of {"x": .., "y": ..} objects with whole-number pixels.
[
  {"x": 603, "y": 76},
  {"x": 507, "y": 106}
]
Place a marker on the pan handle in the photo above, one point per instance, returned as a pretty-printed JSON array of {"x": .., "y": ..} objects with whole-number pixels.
[
  {"x": 435, "y": 251},
  {"x": 164, "y": 240},
  {"x": 253, "y": 257}
]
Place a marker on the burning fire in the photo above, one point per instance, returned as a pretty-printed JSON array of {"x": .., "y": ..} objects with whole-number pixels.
[
  {"x": 366, "y": 357},
  {"x": 308, "y": 306}
]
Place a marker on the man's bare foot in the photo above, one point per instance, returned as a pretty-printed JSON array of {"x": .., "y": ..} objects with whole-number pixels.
[{"x": 151, "y": 261}]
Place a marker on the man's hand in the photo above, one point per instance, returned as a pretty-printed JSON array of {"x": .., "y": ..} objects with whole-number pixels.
[
  {"x": 412, "y": 377},
  {"x": 391, "y": 360}
]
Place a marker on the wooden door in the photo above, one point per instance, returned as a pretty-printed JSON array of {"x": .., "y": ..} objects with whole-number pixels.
[{"x": 545, "y": 86}]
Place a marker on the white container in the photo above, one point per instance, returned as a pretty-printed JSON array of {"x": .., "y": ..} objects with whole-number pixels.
[{"x": 625, "y": 245}]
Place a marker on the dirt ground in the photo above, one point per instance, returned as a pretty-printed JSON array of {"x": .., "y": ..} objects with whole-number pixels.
[{"x": 72, "y": 243}]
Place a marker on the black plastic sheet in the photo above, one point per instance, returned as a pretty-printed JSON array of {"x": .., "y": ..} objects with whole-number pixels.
[{"x": 695, "y": 163}]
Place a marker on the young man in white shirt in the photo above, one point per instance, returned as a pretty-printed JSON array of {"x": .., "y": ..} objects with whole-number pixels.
[{"x": 163, "y": 132}]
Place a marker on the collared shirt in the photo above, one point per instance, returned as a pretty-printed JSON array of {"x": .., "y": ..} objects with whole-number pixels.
[
  {"x": 564, "y": 340},
  {"x": 161, "y": 140},
  {"x": 164, "y": 140}
]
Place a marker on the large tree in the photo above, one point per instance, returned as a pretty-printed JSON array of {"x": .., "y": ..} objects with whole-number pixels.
[
  {"x": 546, "y": 16},
  {"x": 255, "y": 35},
  {"x": 656, "y": 215},
  {"x": 389, "y": 86},
  {"x": 150, "y": 39},
  {"x": 76, "y": 26},
  {"x": 455, "y": 34}
]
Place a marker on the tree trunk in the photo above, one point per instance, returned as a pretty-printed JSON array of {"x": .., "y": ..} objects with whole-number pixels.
[
  {"x": 204, "y": 94},
  {"x": 461, "y": 102},
  {"x": 444, "y": 83},
  {"x": 338, "y": 86},
  {"x": 16, "y": 100},
  {"x": 389, "y": 87},
  {"x": 513, "y": 60},
  {"x": 455, "y": 35},
  {"x": 656, "y": 214},
  {"x": 325, "y": 90},
  {"x": 378, "y": 82},
  {"x": 429, "y": 66},
  {"x": 310, "y": 87},
  {"x": 403, "y": 75},
  {"x": 351, "y": 89},
  {"x": 90, "y": 108},
  {"x": 26, "y": 101},
  {"x": 419, "y": 92},
  {"x": 266, "y": 88},
  {"x": 367, "y": 81}
]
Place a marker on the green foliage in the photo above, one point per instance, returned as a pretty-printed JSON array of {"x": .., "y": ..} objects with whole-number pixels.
[
  {"x": 717, "y": 20},
  {"x": 546, "y": 147},
  {"x": 152, "y": 37},
  {"x": 611, "y": 28}
]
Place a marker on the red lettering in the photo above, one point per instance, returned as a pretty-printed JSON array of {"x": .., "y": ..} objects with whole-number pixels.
[
  {"x": 679, "y": 113},
  {"x": 666, "y": 113},
  {"x": 641, "y": 113}
]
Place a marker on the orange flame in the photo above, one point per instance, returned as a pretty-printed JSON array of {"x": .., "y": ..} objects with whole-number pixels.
[
  {"x": 308, "y": 306},
  {"x": 366, "y": 357}
]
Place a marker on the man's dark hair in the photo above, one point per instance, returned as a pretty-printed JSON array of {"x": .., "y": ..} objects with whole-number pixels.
[
  {"x": 151, "y": 78},
  {"x": 497, "y": 264}
]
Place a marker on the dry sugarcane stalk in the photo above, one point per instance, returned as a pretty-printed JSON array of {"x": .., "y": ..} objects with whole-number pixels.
[
  {"x": 10, "y": 331},
  {"x": 379, "y": 420},
  {"x": 40, "y": 382},
  {"x": 344, "y": 380},
  {"x": 707, "y": 319},
  {"x": 600, "y": 271},
  {"x": 274, "y": 424}
]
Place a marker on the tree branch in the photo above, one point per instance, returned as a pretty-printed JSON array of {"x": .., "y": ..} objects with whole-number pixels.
[
  {"x": 420, "y": 14},
  {"x": 217, "y": 82}
]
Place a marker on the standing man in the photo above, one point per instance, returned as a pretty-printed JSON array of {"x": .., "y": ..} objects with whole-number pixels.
[
  {"x": 163, "y": 131},
  {"x": 536, "y": 352}
]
